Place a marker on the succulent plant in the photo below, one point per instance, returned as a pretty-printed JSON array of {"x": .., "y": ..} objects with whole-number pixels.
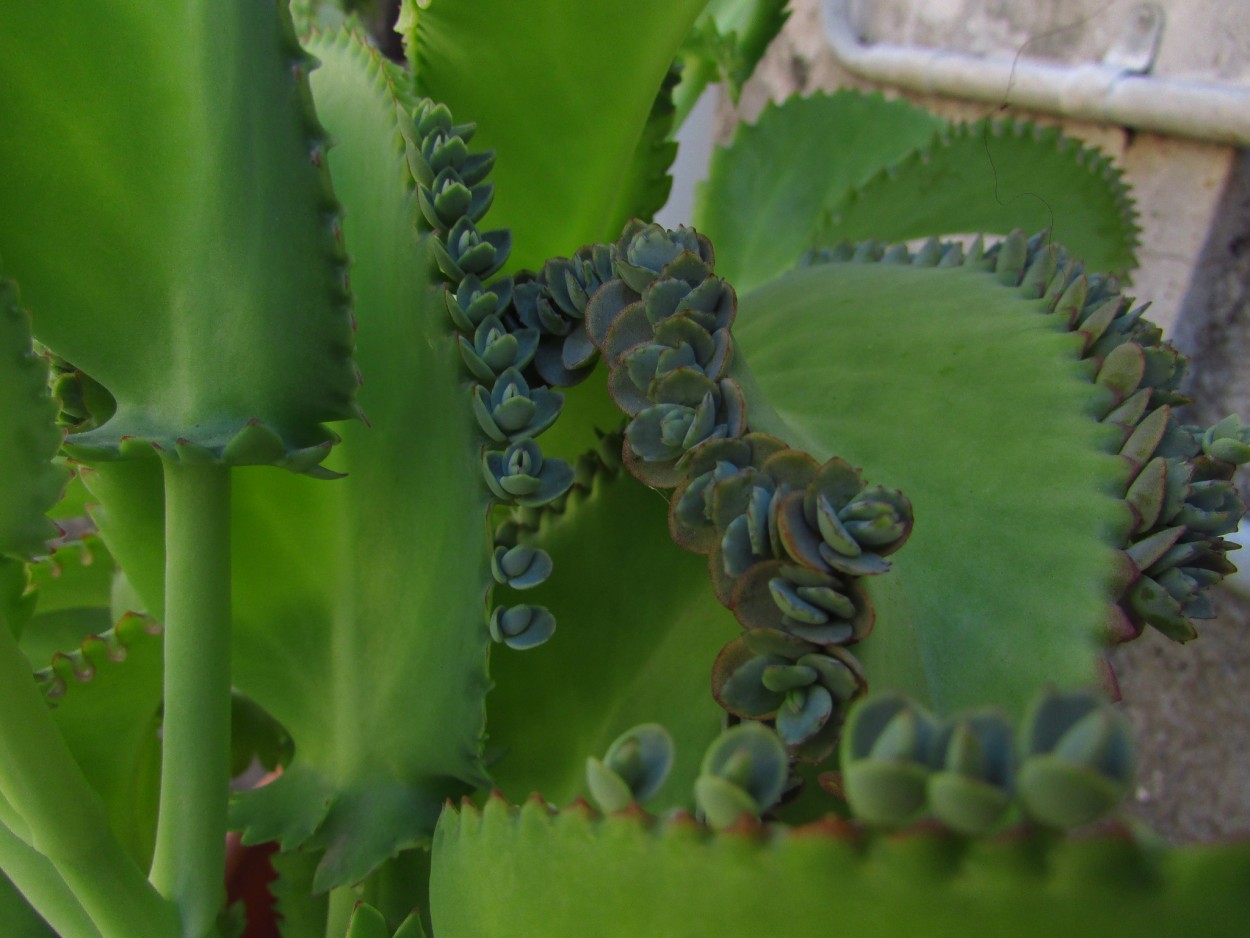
[
  {"x": 832, "y": 485},
  {"x": 1076, "y": 759}
]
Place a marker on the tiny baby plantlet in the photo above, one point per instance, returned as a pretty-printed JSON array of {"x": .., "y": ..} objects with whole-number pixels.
[{"x": 792, "y": 540}]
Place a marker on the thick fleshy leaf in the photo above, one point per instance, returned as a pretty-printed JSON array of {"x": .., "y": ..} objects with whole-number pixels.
[
  {"x": 815, "y": 171},
  {"x": 106, "y": 697},
  {"x": 502, "y": 64},
  {"x": 993, "y": 177},
  {"x": 359, "y": 603},
  {"x": 749, "y": 883},
  {"x": 639, "y": 632},
  {"x": 132, "y": 218},
  {"x": 970, "y": 399},
  {"x": 726, "y": 43},
  {"x": 29, "y": 484},
  {"x": 767, "y": 192}
]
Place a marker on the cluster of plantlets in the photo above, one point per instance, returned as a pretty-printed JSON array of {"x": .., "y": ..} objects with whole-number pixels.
[{"x": 356, "y": 629}]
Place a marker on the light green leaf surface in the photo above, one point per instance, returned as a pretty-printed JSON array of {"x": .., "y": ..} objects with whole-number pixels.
[
  {"x": 132, "y": 193},
  {"x": 573, "y": 875},
  {"x": 992, "y": 177},
  {"x": 767, "y": 192},
  {"x": 726, "y": 43},
  {"x": 72, "y": 594},
  {"x": 563, "y": 94},
  {"x": 106, "y": 697},
  {"x": 639, "y": 630},
  {"x": 360, "y": 603},
  {"x": 962, "y": 393}
]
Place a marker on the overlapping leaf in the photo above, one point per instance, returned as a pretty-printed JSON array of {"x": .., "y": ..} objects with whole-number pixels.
[
  {"x": 29, "y": 484},
  {"x": 965, "y": 395},
  {"x": 632, "y": 875},
  {"x": 992, "y": 177},
  {"x": 726, "y": 43},
  {"x": 360, "y": 603},
  {"x": 767, "y": 193},
  {"x": 638, "y": 633},
  {"x": 132, "y": 216},
  {"x": 814, "y": 171},
  {"x": 562, "y": 93}
]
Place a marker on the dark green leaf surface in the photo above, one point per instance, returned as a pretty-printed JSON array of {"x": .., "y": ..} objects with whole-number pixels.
[
  {"x": 627, "y": 875},
  {"x": 29, "y": 484},
  {"x": 967, "y": 397},
  {"x": 767, "y": 192},
  {"x": 639, "y": 630},
  {"x": 993, "y": 177},
  {"x": 131, "y": 196},
  {"x": 562, "y": 93}
]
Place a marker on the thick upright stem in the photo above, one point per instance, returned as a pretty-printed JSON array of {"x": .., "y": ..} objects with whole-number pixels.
[
  {"x": 189, "y": 862},
  {"x": 65, "y": 819}
]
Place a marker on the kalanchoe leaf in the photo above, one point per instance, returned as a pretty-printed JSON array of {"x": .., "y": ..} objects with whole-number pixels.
[
  {"x": 886, "y": 757},
  {"x": 821, "y": 608},
  {"x": 494, "y": 349},
  {"x": 535, "y": 308},
  {"x": 1150, "y": 602},
  {"x": 1077, "y": 758},
  {"x": 471, "y": 303},
  {"x": 738, "y": 680},
  {"x": 522, "y": 626},
  {"x": 706, "y": 301},
  {"x": 512, "y": 410},
  {"x": 665, "y": 431},
  {"x": 634, "y": 768},
  {"x": 973, "y": 786},
  {"x": 468, "y": 251},
  {"x": 520, "y": 474},
  {"x": 644, "y": 251},
  {"x": 804, "y": 714},
  {"x": 521, "y": 566},
  {"x": 1228, "y": 440},
  {"x": 744, "y": 771},
  {"x": 782, "y": 678},
  {"x": 766, "y": 674}
]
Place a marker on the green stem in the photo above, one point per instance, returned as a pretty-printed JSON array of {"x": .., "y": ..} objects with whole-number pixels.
[
  {"x": 37, "y": 879},
  {"x": 343, "y": 901},
  {"x": 189, "y": 862},
  {"x": 65, "y": 817}
]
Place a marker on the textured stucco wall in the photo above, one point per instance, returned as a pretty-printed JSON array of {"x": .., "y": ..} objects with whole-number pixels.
[{"x": 1190, "y": 704}]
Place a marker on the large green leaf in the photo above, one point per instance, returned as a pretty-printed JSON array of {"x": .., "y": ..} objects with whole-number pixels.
[
  {"x": 359, "y": 604},
  {"x": 970, "y": 398},
  {"x": 504, "y": 872},
  {"x": 171, "y": 220},
  {"x": 993, "y": 177},
  {"x": 29, "y": 484},
  {"x": 767, "y": 192},
  {"x": 639, "y": 630},
  {"x": 562, "y": 93},
  {"x": 818, "y": 170}
]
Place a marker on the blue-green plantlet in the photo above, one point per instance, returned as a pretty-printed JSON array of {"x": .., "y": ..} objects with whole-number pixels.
[{"x": 388, "y": 445}]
